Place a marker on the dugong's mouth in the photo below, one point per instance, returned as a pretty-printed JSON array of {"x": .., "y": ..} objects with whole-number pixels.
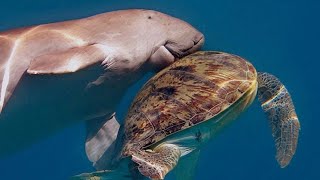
[
  {"x": 179, "y": 53},
  {"x": 197, "y": 45},
  {"x": 170, "y": 52}
]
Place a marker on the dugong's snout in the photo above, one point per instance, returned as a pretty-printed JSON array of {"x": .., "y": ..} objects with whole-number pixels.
[
  {"x": 197, "y": 44},
  {"x": 181, "y": 40},
  {"x": 185, "y": 43}
]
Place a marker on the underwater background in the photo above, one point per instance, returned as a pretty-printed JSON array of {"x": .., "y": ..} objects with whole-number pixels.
[{"x": 280, "y": 37}]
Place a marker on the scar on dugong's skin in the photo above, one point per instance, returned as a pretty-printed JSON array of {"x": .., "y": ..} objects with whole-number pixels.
[{"x": 122, "y": 44}]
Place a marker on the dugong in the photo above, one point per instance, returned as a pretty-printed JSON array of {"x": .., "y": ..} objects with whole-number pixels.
[{"x": 53, "y": 75}]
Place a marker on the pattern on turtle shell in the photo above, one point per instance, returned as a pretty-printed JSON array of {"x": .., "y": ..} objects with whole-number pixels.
[{"x": 191, "y": 90}]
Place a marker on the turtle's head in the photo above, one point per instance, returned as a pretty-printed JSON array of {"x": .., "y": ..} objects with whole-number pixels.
[{"x": 183, "y": 39}]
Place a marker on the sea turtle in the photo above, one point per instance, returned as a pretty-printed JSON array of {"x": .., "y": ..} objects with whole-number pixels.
[
  {"x": 52, "y": 75},
  {"x": 184, "y": 105}
]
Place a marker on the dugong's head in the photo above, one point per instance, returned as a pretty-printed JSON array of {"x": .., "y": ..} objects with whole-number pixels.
[
  {"x": 183, "y": 39},
  {"x": 179, "y": 39}
]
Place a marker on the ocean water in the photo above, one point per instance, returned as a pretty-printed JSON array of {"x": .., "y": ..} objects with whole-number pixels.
[{"x": 280, "y": 37}]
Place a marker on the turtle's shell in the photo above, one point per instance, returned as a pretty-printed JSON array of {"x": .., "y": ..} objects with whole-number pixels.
[{"x": 190, "y": 91}]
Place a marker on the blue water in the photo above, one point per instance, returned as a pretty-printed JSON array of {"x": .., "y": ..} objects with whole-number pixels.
[{"x": 280, "y": 37}]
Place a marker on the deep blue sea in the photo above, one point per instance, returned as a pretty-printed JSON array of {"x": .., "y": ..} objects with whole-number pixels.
[{"x": 280, "y": 37}]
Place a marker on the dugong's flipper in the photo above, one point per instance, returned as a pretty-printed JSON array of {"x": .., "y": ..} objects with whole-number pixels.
[
  {"x": 68, "y": 61},
  {"x": 277, "y": 103},
  {"x": 101, "y": 139}
]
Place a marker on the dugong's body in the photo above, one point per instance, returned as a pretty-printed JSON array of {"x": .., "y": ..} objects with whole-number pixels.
[{"x": 40, "y": 91}]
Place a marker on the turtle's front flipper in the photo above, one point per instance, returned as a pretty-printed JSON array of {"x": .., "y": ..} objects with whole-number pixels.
[
  {"x": 156, "y": 163},
  {"x": 277, "y": 103}
]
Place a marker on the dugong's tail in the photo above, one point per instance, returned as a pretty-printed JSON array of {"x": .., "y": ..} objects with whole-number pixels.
[{"x": 277, "y": 104}]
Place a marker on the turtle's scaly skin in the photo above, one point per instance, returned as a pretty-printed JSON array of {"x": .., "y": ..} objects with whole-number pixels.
[{"x": 190, "y": 91}]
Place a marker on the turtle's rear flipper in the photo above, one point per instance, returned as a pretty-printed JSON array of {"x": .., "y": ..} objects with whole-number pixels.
[
  {"x": 156, "y": 163},
  {"x": 277, "y": 103}
]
